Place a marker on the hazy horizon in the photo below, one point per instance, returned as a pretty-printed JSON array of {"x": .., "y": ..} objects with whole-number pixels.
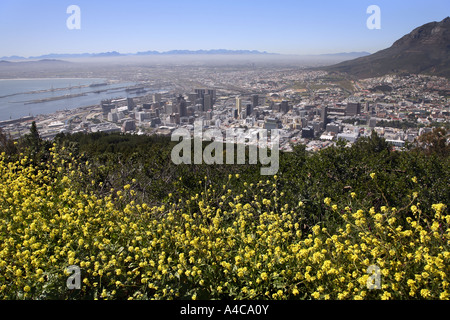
[
  {"x": 188, "y": 59},
  {"x": 97, "y": 55}
]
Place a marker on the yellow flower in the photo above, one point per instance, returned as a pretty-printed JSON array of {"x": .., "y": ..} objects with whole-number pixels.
[
  {"x": 316, "y": 229},
  {"x": 425, "y": 293},
  {"x": 373, "y": 175},
  {"x": 327, "y": 201},
  {"x": 386, "y": 295},
  {"x": 439, "y": 208}
]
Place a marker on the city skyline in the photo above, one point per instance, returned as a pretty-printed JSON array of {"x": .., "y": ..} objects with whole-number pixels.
[{"x": 284, "y": 27}]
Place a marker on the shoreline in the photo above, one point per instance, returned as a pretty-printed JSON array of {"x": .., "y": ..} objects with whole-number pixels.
[
  {"x": 90, "y": 83},
  {"x": 22, "y": 79}
]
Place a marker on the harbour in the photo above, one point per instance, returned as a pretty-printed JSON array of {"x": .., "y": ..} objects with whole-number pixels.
[{"x": 30, "y": 97}]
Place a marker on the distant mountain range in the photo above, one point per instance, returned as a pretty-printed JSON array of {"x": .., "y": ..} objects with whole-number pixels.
[
  {"x": 425, "y": 50},
  {"x": 145, "y": 53},
  {"x": 341, "y": 55},
  {"x": 214, "y": 51},
  {"x": 34, "y": 62}
]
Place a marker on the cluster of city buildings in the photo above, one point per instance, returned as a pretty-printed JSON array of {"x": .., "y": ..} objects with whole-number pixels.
[{"x": 317, "y": 115}]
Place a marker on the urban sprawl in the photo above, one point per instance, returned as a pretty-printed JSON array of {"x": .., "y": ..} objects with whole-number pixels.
[{"x": 308, "y": 107}]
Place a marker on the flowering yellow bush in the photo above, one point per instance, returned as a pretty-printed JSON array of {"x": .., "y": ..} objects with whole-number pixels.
[
  {"x": 212, "y": 245},
  {"x": 413, "y": 257}
]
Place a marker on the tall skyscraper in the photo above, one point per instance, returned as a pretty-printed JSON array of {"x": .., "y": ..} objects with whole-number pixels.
[
  {"x": 131, "y": 104},
  {"x": 284, "y": 106},
  {"x": 200, "y": 92},
  {"x": 324, "y": 115},
  {"x": 207, "y": 97},
  {"x": 255, "y": 101},
  {"x": 207, "y": 102},
  {"x": 181, "y": 106},
  {"x": 249, "y": 109},
  {"x": 238, "y": 105},
  {"x": 212, "y": 93}
]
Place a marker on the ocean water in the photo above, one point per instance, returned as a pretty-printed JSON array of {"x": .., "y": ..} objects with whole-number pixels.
[{"x": 17, "y": 97}]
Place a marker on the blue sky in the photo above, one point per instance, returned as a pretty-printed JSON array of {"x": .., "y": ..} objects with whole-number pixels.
[{"x": 31, "y": 28}]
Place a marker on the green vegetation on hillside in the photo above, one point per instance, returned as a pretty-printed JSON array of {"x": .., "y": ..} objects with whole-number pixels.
[{"x": 140, "y": 227}]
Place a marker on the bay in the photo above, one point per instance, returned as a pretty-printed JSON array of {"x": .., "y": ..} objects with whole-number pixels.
[{"x": 24, "y": 97}]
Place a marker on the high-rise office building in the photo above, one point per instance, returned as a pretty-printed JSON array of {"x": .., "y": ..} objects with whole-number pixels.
[
  {"x": 192, "y": 97},
  {"x": 324, "y": 115},
  {"x": 206, "y": 96},
  {"x": 130, "y": 103},
  {"x": 157, "y": 97},
  {"x": 238, "y": 105},
  {"x": 353, "y": 109},
  {"x": 107, "y": 106},
  {"x": 212, "y": 93},
  {"x": 200, "y": 92},
  {"x": 255, "y": 100},
  {"x": 181, "y": 106},
  {"x": 249, "y": 109},
  {"x": 183, "y": 110},
  {"x": 207, "y": 102},
  {"x": 284, "y": 106}
]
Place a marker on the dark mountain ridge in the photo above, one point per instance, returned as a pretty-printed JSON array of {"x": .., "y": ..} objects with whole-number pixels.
[{"x": 425, "y": 50}]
